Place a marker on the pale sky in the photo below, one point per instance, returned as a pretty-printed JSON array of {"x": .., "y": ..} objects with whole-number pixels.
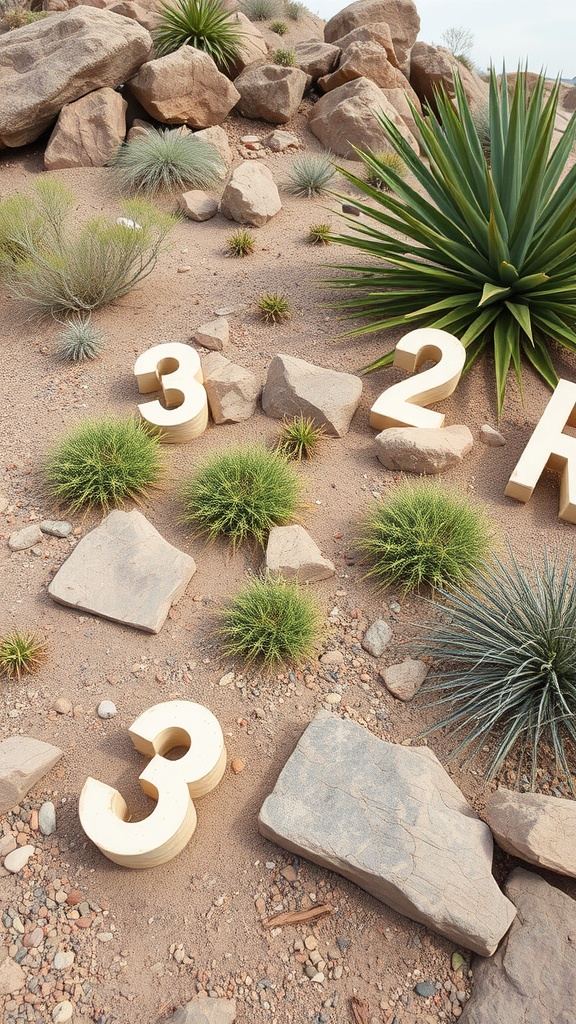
[{"x": 514, "y": 30}]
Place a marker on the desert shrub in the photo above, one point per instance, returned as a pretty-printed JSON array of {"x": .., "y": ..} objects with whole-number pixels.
[
  {"x": 299, "y": 438},
  {"x": 56, "y": 269},
  {"x": 489, "y": 255},
  {"x": 167, "y": 159},
  {"x": 383, "y": 168},
  {"x": 310, "y": 176},
  {"x": 103, "y": 462},
  {"x": 21, "y": 652},
  {"x": 274, "y": 307},
  {"x": 261, "y": 10},
  {"x": 295, "y": 10},
  {"x": 319, "y": 234},
  {"x": 509, "y": 645},
  {"x": 204, "y": 24},
  {"x": 279, "y": 27},
  {"x": 271, "y": 621},
  {"x": 241, "y": 494},
  {"x": 424, "y": 536},
  {"x": 286, "y": 58},
  {"x": 79, "y": 340},
  {"x": 17, "y": 17},
  {"x": 240, "y": 243}
]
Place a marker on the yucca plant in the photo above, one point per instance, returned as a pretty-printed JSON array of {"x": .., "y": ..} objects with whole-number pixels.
[
  {"x": 272, "y": 621},
  {"x": 512, "y": 678},
  {"x": 490, "y": 251},
  {"x": 204, "y": 24},
  {"x": 79, "y": 340},
  {"x": 21, "y": 652},
  {"x": 310, "y": 176},
  {"x": 167, "y": 159},
  {"x": 424, "y": 536}
]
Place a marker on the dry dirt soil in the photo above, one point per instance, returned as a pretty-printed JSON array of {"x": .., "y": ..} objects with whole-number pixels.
[{"x": 146, "y": 941}]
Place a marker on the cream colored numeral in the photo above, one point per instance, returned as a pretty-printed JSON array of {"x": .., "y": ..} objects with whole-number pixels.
[
  {"x": 173, "y": 784},
  {"x": 174, "y": 369},
  {"x": 399, "y": 406},
  {"x": 550, "y": 448}
]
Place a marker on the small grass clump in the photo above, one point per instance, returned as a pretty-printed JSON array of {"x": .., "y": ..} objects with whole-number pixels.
[
  {"x": 274, "y": 307},
  {"x": 56, "y": 267},
  {"x": 310, "y": 176},
  {"x": 510, "y": 647},
  {"x": 260, "y": 10},
  {"x": 425, "y": 536},
  {"x": 270, "y": 621},
  {"x": 241, "y": 494},
  {"x": 21, "y": 653},
  {"x": 295, "y": 10},
  {"x": 103, "y": 462},
  {"x": 166, "y": 159},
  {"x": 279, "y": 27},
  {"x": 286, "y": 58},
  {"x": 299, "y": 438},
  {"x": 17, "y": 17},
  {"x": 381, "y": 167},
  {"x": 319, "y": 234},
  {"x": 204, "y": 24},
  {"x": 80, "y": 340},
  {"x": 240, "y": 243}
]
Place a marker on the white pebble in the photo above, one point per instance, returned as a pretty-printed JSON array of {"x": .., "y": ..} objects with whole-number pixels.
[
  {"x": 47, "y": 818},
  {"x": 18, "y": 859},
  {"x": 106, "y": 709}
]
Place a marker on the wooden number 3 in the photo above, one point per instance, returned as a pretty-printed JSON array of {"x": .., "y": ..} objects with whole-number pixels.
[
  {"x": 399, "y": 406},
  {"x": 173, "y": 784},
  {"x": 175, "y": 369}
]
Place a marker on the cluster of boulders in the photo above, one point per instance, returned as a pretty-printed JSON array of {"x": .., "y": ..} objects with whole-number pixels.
[{"x": 77, "y": 71}]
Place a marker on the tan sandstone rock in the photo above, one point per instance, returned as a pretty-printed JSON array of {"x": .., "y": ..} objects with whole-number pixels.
[
  {"x": 404, "y": 679},
  {"x": 316, "y": 58},
  {"x": 419, "y": 450},
  {"x": 251, "y": 195},
  {"x": 185, "y": 87},
  {"x": 346, "y": 117},
  {"x": 379, "y": 32},
  {"x": 366, "y": 59},
  {"x": 432, "y": 66},
  {"x": 253, "y": 46},
  {"x": 50, "y": 63},
  {"x": 539, "y": 829},
  {"x": 232, "y": 390},
  {"x": 88, "y": 132},
  {"x": 218, "y": 138},
  {"x": 23, "y": 761},
  {"x": 400, "y": 15},
  {"x": 269, "y": 92},
  {"x": 293, "y": 554},
  {"x": 329, "y": 397}
]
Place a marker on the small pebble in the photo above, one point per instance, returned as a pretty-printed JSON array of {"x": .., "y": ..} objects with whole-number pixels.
[
  {"x": 237, "y": 766},
  {"x": 106, "y": 709},
  {"x": 18, "y": 859},
  {"x": 55, "y": 528},
  {"x": 47, "y": 818},
  {"x": 62, "y": 706},
  {"x": 425, "y": 989},
  {"x": 62, "y": 1012},
  {"x": 63, "y": 960}
]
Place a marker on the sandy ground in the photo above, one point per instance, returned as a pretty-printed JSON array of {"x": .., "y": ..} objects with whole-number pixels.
[{"x": 205, "y": 908}]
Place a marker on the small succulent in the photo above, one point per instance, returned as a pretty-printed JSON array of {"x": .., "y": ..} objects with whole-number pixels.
[
  {"x": 21, "y": 653},
  {"x": 299, "y": 438},
  {"x": 79, "y": 340},
  {"x": 319, "y": 234},
  {"x": 279, "y": 27},
  {"x": 240, "y": 243},
  {"x": 274, "y": 307}
]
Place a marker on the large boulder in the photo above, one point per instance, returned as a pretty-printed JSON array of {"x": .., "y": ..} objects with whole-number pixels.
[
  {"x": 532, "y": 977},
  {"x": 374, "y": 33},
  {"x": 134, "y": 11},
  {"x": 346, "y": 118},
  {"x": 294, "y": 387},
  {"x": 88, "y": 132},
  {"x": 55, "y": 61},
  {"x": 316, "y": 58},
  {"x": 400, "y": 15},
  {"x": 185, "y": 87},
  {"x": 269, "y": 92},
  {"x": 538, "y": 829},
  {"x": 253, "y": 45},
  {"x": 434, "y": 66},
  {"x": 218, "y": 138},
  {"x": 251, "y": 195},
  {"x": 390, "y": 819},
  {"x": 366, "y": 59}
]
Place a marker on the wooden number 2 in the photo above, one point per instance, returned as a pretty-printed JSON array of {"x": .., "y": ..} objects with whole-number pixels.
[
  {"x": 399, "y": 406},
  {"x": 175, "y": 369},
  {"x": 173, "y": 784}
]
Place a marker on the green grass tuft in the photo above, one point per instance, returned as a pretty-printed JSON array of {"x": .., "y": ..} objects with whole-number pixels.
[
  {"x": 79, "y": 340},
  {"x": 166, "y": 159},
  {"x": 274, "y": 307},
  {"x": 510, "y": 644},
  {"x": 204, "y": 24},
  {"x": 310, "y": 176},
  {"x": 424, "y": 536},
  {"x": 21, "y": 653},
  {"x": 299, "y": 438},
  {"x": 286, "y": 58},
  {"x": 261, "y": 10},
  {"x": 382, "y": 169},
  {"x": 279, "y": 27},
  {"x": 103, "y": 462},
  {"x": 295, "y": 10},
  {"x": 241, "y": 494},
  {"x": 319, "y": 234},
  {"x": 271, "y": 621},
  {"x": 240, "y": 243}
]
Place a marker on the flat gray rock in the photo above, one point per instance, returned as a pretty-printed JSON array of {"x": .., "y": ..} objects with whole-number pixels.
[
  {"x": 292, "y": 553},
  {"x": 376, "y": 638},
  {"x": 124, "y": 571},
  {"x": 295, "y": 387},
  {"x": 56, "y": 527},
  {"x": 539, "y": 829},
  {"x": 391, "y": 820},
  {"x": 23, "y": 760},
  {"x": 25, "y": 538},
  {"x": 532, "y": 977}
]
